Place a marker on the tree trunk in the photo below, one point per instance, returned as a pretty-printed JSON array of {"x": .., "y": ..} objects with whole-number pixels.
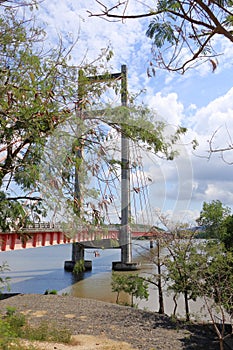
[
  {"x": 160, "y": 290},
  {"x": 117, "y": 298},
  {"x": 131, "y": 300},
  {"x": 175, "y": 303},
  {"x": 186, "y": 306},
  {"x": 221, "y": 344},
  {"x": 161, "y": 303}
]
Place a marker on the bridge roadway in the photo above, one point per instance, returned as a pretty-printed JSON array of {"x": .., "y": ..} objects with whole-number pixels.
[{"x": 45, "y": 234}]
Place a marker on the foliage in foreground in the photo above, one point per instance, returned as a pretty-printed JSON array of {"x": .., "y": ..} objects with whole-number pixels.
[
  {"x": 131, "y": 284},
  {"x": 50, "y": 110},
  {"x": 14, "y": 326},
  {"x": 217, "y": 221},
  {"x": 183, "y": 33},
  {"x": 202, "y": 269}
]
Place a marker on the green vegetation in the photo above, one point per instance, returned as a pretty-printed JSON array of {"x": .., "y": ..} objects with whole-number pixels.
[
  {"x": 227, "y": 237},
  {"x": 48, "y": 291},
  {"x": 183, "y": 264},
  {"x": 31, "y": 89},
  {"x": 43, "y": 96},
  {"x": 42, "y": 120},
  {"x": 79, "y": 267},
  {"x": 200, "y": 268},
  {"x": 214, "y": 284},
  {"x": 217, "y": 221},
  {"x": 212, "y": 217},
  {"x": 14, "y": 326},
  {"x": 158, "y": 258},
  {"x": 130, "y": 284},
  {"x": 179, "y": 25}
]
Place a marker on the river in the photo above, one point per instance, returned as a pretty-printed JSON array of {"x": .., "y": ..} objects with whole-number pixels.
[{"x": 36, "y": 270}]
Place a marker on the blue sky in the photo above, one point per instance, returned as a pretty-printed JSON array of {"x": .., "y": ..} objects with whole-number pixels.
[{"x": 200, "y": 100}]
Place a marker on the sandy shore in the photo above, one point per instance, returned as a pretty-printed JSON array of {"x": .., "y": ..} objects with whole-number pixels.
[{"x": 84, "y": 342}]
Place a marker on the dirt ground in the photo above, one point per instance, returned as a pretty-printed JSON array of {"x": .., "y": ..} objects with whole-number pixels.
[{"x": 85, "y": 342}]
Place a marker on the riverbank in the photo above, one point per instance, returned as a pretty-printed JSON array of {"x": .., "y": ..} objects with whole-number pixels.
[{"x": 143, "y": 330}]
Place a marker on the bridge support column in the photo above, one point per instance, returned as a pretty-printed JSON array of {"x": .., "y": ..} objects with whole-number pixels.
[
  {"x": 126, "y": 263},
  {"x": 77, "y": 255}
]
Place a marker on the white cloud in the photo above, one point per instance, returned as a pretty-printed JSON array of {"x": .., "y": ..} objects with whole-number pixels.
[
  {"x": 183, "y": 184},
  {"x": 225, "y": 58},
  {"x": 167, "y": 106},
  {"x": 216, "y": 114}
]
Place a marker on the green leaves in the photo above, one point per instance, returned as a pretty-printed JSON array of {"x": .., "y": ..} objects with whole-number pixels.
[
  {"x": 142, "y": 125},
  {"x": 161, "y": 32},
  {"x": 13, "y": 215},
  {"x": 227, "y": 237},
  {"x": 130, "y": 284},
  {"x": 49, "y": 112},
  {"x": 212, "y": 218},
  {"x": 182, "y": 27},
  {"x": 31, "y": 107}
]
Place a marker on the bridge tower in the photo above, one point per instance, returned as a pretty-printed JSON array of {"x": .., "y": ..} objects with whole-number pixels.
[{"x": 126, "y": 263}]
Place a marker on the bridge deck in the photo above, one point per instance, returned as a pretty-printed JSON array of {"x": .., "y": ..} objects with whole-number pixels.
[{"x": 47, "y": 235}]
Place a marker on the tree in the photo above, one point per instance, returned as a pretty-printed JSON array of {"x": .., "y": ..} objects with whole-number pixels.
[
  {"x": 183, "y": 32},
  {"x": 227, "y": 237},
  {"x": 205, "y": 272},
  {"x": 159, "y": 278},
  {"x": 157, "y": 257},
  {"x": 47, "y": 113},
  {"x": 166, "y": 242},
  {"x": 215, "y": 286},
  {"x": 38, "y": 93},
  {"x": 95, "y": 132},
  {"x": 183, "y": 264},
  {"x": 33, "y": 93},
  {"x": 212, "y": 218},
  {"x": 225, "y": 150},
  {"x": 131, "y": 284}
]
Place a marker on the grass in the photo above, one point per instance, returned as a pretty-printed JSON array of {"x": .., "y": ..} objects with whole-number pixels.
[{"x": 14, "y": 326}]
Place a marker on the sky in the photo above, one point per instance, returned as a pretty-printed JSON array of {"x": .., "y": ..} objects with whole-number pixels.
[{"x": 200, "y": 100}]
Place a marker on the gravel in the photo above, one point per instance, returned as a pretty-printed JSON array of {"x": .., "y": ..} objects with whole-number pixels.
[{"x": 142, "y": 329}]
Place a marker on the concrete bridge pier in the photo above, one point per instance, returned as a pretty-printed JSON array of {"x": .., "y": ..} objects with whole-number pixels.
[
  {"x": 77, "y": 255},
  {"x": 126, "y": 263}
]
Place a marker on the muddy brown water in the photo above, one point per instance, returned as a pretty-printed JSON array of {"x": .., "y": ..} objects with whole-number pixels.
[{"x": 36, "y": 270}]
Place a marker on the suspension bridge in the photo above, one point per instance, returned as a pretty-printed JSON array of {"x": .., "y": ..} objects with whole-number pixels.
[
  {"x": 133, "y": 183},
  {"x": 46, "y": 234}
]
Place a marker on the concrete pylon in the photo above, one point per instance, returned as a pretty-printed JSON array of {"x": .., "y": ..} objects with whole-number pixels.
[
  {"x": 77, "y": 255},
  {"x": 126, "y": 263}
]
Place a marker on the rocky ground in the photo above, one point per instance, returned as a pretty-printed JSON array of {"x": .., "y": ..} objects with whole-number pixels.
[{"x": 99, "y": 325}]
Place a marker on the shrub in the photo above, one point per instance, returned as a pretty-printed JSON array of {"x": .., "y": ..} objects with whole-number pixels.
[
  {"x": 14, "y": 326},
  {"x": 53, "y": 291},
  {"x": 79, "y": 267}
]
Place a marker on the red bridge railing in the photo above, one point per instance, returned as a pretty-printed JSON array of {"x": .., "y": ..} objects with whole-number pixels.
[{"x": 44, "y": 234}]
